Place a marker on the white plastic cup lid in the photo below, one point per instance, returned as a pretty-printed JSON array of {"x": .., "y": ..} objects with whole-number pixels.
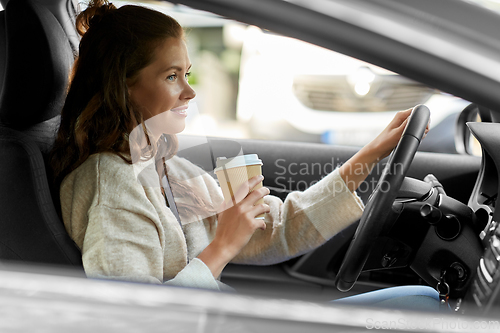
[{"x": 237, "y": 161}]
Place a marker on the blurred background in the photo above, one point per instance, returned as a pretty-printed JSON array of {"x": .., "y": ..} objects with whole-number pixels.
[{"x": 253, "y": 83}]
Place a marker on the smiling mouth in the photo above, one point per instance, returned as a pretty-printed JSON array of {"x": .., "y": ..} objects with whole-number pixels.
[{"x": 181, "y": 110}]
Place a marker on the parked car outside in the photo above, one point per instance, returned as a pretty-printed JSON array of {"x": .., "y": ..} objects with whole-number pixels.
[{"x": 319, "y": 95}]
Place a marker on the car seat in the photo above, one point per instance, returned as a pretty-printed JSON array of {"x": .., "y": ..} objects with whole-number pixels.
[{"x": 35, "y": 60}]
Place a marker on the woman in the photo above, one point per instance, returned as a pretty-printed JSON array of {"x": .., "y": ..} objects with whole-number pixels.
[{"x": 127, "y": 99}]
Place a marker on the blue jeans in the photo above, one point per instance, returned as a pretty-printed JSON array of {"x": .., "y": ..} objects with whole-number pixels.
[{"x": 422, "y": 298}]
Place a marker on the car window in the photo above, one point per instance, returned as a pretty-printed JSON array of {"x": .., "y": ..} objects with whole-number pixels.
[{"x": 252, "y": 83}]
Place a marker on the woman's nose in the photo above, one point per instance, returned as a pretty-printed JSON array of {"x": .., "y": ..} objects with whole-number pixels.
[{"x": 188, "y": 92}]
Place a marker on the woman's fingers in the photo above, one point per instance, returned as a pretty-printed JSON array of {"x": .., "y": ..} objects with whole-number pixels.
[
  {"x": 402, "y": 126},
  {"x": 244, "y": 195},
  {"x": 405, "y": 116},
  {"x": 256, "y": 195},
  {"x": 401, "y": 117},
  {"x": 257, "y": 210},
  {"x": 244, "y": 189},
  {"x": 249, "y": 204},
  {"x": 427, "y": 128},
  {"x": 261, "y": 224}
]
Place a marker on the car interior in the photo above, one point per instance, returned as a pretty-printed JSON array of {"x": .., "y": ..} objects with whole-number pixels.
[
  {"x": 440, "y": 227},
  {"x": 29, "y": 117}
]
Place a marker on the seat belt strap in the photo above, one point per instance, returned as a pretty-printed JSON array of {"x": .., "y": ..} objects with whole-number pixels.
[{"x": 168, "y": 193}]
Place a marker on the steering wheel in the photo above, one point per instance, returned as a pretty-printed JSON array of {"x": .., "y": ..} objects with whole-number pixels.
[{"x": 377, "y": 212}]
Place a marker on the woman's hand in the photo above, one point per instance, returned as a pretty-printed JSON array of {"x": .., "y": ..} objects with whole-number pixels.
[
  {"x": 236, "y": 225},
  {"x": 357, "y": 168},
  {"x": 237, "y": 222},
  {"x": 385, "y": 142}
]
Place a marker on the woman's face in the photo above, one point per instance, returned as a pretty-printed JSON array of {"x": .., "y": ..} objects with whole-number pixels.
[{"x": 161, "y": 90}]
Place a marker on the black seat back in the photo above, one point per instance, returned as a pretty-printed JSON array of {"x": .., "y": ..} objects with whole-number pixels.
[{"x": 38, "y": 59}]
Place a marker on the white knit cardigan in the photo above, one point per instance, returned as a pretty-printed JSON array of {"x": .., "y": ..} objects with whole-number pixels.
[{"x": 116, "y": 214}]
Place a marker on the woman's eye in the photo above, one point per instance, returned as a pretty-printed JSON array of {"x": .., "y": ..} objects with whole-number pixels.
[
  {"x": 188, "y": 74},
  {"x": 171, "y": 77}
]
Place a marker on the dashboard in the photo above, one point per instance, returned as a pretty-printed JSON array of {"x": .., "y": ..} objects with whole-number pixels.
[{"x": 484, "y": 290}]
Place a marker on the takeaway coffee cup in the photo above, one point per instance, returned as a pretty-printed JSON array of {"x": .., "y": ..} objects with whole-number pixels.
[{"x": 233, "y": 172}]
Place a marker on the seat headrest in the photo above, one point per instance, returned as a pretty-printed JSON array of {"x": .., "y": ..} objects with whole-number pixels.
[{"x": 38, "y": 63}]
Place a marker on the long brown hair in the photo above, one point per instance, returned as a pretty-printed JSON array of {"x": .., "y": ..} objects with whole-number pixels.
[{"x": 98, "y": 114}]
